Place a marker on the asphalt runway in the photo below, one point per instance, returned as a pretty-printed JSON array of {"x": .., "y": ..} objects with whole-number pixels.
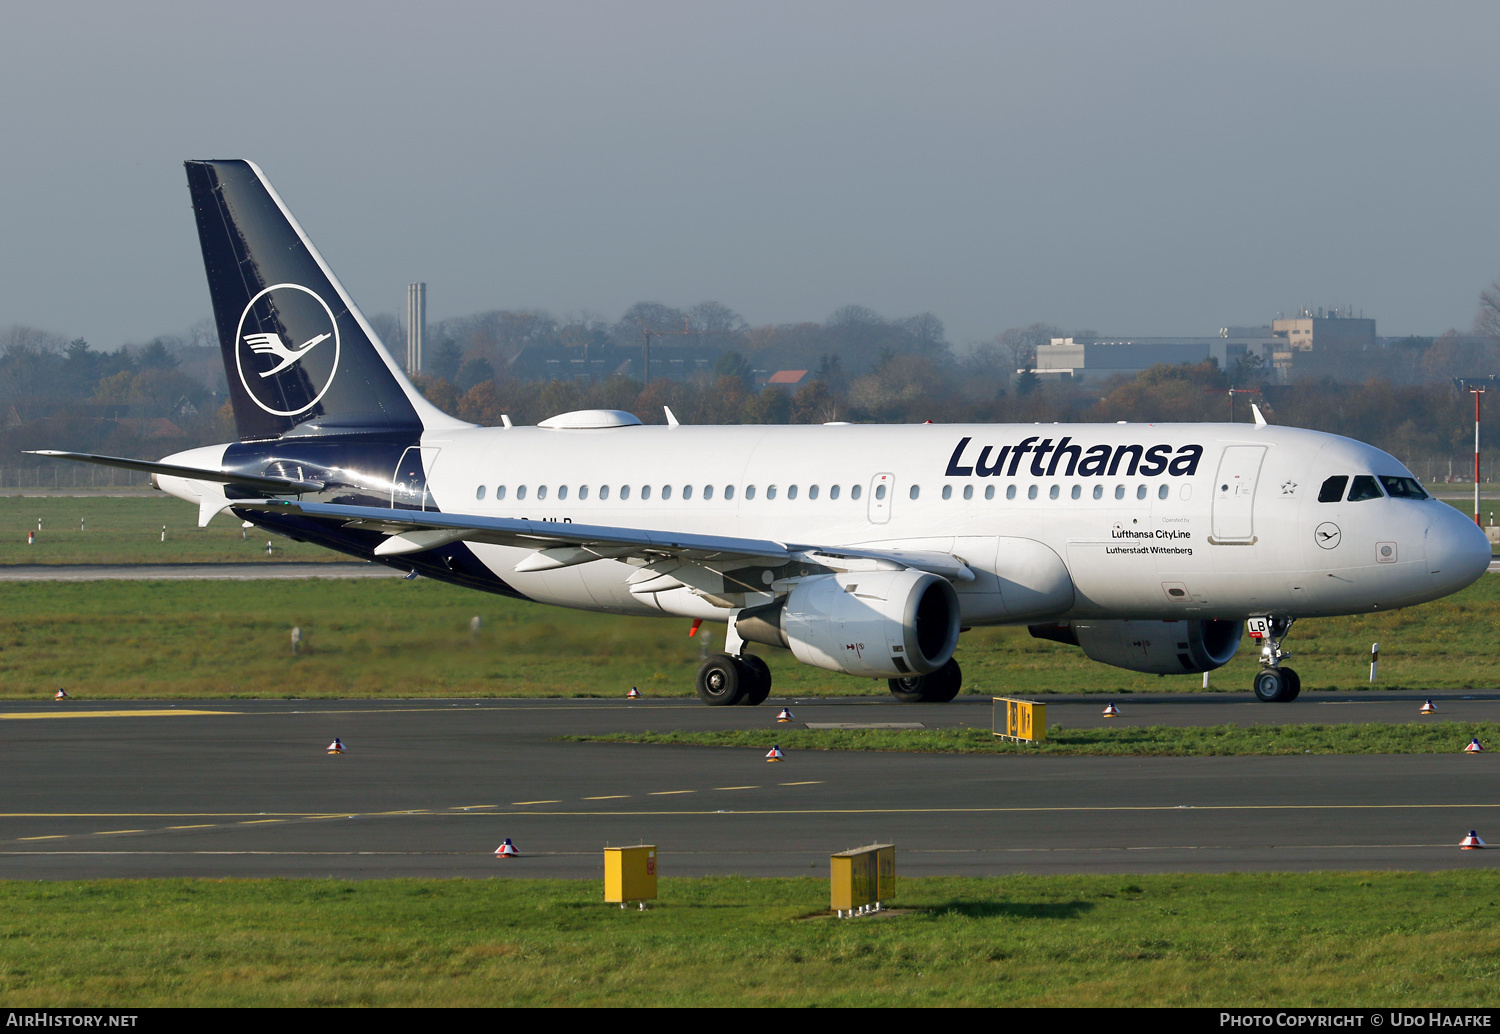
[{"x": 430, "y": 788}]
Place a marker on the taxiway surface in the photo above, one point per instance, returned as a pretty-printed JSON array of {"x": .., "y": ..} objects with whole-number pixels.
[{"x": 430, "y": 787}]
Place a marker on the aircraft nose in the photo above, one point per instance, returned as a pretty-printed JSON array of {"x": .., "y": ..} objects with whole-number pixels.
[{"x": 1458, "y": 550}]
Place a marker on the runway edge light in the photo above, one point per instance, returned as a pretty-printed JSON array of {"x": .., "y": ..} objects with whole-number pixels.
[
  {"x": 775, "y": 754},
  {"x": 336, "y": 747},
  {"x": 785, "y": 715},
  {"x": 1472, "y": 842},
  {"x": 1111, "y": 711},
  {"x": 634, "y": 694},
  {"x": 1427, "y": 708},
  {"x": 507, "y": 850},
  {"x": 1474, "y": 747},
  {"x": 61, "y": 694}
]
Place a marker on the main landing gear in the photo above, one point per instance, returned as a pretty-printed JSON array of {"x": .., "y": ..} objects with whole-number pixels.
[
  {"x": 724, "y": 681},
  {"x": 1275, "y": 684},
  {"x": 936, "y": 687}
]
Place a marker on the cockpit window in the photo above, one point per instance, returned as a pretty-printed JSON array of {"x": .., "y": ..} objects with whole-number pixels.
[
  {"x": 1402, "y": 488},
  {"x": 1364, "y": 487},
  {"x": 1333, "y": 489}
]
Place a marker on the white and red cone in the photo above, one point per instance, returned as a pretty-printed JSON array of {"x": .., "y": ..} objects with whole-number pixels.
[
  {"x": 634, "y": 694},
  {"x": 507, "y": 850},
  {"x": 1427, "y": 708},
  {"x": 1474, "y": 747},
  {"x": 336, "y": 747},
  {"x": 786, "y": 715},
  {"x": 775, "y": 754},
  {"x": 61, "y": 694},
  {"x": 1111, "y": 711},
  {"x": 1472, "y": 842}
]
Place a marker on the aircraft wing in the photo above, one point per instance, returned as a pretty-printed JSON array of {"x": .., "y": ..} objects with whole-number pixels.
[{"x": 560, "y": 544}]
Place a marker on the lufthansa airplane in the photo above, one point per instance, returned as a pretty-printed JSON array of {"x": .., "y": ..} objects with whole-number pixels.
[{"x": 865, "y": 550}]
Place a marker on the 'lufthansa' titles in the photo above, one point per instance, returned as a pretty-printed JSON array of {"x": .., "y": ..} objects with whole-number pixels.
[{"x": 1044, "y": 457}]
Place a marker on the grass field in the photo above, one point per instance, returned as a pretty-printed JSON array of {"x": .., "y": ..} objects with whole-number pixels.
[
  {"x": 1388, "y": 939},
  {"x": 206, "y": 640},
  {"x": 127, "y": 530},
  {"x": 1159, "y": 740}
]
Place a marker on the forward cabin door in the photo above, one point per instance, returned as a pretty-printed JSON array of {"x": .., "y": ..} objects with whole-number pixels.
[{"x": 1234, "y": 495}]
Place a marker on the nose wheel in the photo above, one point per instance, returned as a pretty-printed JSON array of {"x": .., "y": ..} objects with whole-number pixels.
[{"x": 1274, "y": 683}]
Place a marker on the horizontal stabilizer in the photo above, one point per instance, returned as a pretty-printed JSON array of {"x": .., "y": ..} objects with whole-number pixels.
[{"x": 259, "y": 482}]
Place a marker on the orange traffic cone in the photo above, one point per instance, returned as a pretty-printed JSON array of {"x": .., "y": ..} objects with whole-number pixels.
[
  {"x": 775, "y": 754},
  {"x": 1472, "y": 842},
  {"x": 1427, "y": 708},
  {"x": 1111, "y": 711},
  {"x": 507, "y": 850},
  {"x": 336, "y": 747},
  {"x": 1474, "y": 747},
  {"x": 634, "y": 694},
  {"x": 786, "y": 715}
]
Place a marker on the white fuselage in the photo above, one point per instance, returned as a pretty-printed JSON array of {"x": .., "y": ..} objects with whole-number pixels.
[{"x": 1229, "y": 531}]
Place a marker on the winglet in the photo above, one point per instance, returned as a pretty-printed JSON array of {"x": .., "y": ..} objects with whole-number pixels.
[
  {"x": 672, "y": 420},
  {"x": 1260, "y": 421}
]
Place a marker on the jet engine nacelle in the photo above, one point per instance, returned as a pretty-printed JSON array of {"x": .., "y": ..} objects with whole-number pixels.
[
  {"x": 880, "y": 624},
  {"x": 1154, "y": 647}
]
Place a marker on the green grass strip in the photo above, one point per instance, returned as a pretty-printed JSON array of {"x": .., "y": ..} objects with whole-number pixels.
[
  {"x": 1158, "y": 740},
  {"x": 1319, "y": 939}
]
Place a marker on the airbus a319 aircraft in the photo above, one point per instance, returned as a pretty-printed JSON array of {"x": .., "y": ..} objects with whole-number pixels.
[{"x": 865, "y": 550}]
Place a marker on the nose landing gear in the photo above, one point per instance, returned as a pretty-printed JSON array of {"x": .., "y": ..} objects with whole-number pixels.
[{"x": 1274, "y": 684}]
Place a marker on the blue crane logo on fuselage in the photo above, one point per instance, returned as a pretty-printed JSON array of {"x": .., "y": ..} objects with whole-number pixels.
[{"x": 277, "y": 349}]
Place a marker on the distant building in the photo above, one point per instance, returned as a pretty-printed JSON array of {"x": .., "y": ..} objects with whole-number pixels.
[
  {"x": 1310, "y": 330},
  {"x": 1098, "y": 358},
  {"x": 601, "y": 361},
  {"x": 787, "y": 379}
]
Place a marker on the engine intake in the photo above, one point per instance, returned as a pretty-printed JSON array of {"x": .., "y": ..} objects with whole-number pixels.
[
  {"x": 1154, "y": 647},
  {"x": 881, "y": 624}
]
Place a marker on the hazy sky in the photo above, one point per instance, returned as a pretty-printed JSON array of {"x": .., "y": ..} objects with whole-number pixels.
[{"x": 1133, "y": 168}]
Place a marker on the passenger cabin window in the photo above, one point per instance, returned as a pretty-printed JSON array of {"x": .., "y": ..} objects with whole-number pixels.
[
  {"x": 833, "y": 492},
  {"x": 1077, "y": 492},
  {"x": 770, "y": 491},
  {"x": 1333, "y": 489},
  {"x": 603, "y": 492},
  {"x": 728, "y": 491},
  {"x": 624, "y": 492},
  {"x": 947, "y": 491},
  {"x": 583, "y": 491},
  {"x": 989, "y": 491},
  {"x": 1010, "y": 491},
  {"x": 1054, "y": 491},
  {"x": 1400, "y": 488},
  {"x": 1364, "y": 487},
  {"x": 968, "y": 491},
  {"x": 687, "y": 491},
  {"x": 645, "y": 491},
  {"x": 791, "y": 491},
  {"x": 1098, "y": 491},
  {"x": 541, "y": 492},
  {"x": 879, "y": 491},
  {"x": 812, "y": 491},
  {"x": 1140, "y": 491},
  {"x": 856, "y": 491},
  {"x": 1161, "y": 493},
  {"x": 749, "y": 491},
  {"x": 708, "y": 492},
  {"x": 562, "y": 491},
  {"x": 915, "y": 491},
  {"x": 479, "y": 494},
  {"x": 521, "y": 492},
  {"x": 499, "y": 492},
  {"x": 666, "y": 491},
  {"x": 1031, "y": 492}
]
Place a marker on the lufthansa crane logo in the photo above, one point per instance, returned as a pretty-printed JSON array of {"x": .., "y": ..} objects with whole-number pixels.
[{"x": 287, "y": 349}]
